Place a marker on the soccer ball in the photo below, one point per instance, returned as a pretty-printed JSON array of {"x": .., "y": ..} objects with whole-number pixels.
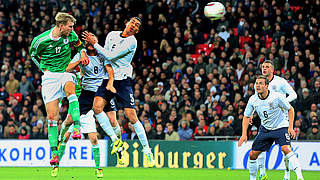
[{"x": 214, "y": 10}]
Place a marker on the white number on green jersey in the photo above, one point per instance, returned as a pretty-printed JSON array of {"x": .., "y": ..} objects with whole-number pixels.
[{"x": 58, "y": 49}]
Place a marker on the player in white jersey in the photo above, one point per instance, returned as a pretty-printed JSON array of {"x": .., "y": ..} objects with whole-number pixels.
[
  {"x": 276, "y": 126},
  {"x": 119, "y": 48},
  {"x": 91, "y": 80},
  {"x": 281, "y": 85}
]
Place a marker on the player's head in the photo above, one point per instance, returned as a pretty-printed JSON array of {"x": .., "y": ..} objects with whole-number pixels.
[
  {"x": 133, "y": 26},
  {"x": 89, "y": 47},
  {"x": 267, "y": 68},
  {"x": 262, "y": 83},
  {"x": 65, "y": 22}
]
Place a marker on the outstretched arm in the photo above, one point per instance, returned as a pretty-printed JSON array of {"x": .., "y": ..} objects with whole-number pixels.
[{"x": 108, "y": 55}]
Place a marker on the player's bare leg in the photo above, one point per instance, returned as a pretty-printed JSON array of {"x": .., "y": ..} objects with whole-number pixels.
[
  {"x": 64, "y": 128},
  {"x": 286, "y": 149},
  {"x": 69, "y": 89},
  {"x": 133, "y": 118},
  {"x": 52, "y": 109},
  {"x": 253, "y": 168}
]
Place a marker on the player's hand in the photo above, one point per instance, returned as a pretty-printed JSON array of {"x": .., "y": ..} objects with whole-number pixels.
[
  {"x": 241, "y": 140},
  {"x": 250, "y": 120},
  {"x": 84, "y": 58},
  {"x": 111, "y": 88},
  {"x": 89, "y": 37},
  {"x": 292, "y": 133}
]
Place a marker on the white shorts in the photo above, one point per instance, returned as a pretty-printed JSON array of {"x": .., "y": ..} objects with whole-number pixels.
[
  {"x": 87, "y": 123},
  {"x": 53, "y": 85}
]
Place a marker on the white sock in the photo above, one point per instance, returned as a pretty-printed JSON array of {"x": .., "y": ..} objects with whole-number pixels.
[
  {"x": 253, "y": 169},
  {"x": 106, "y": 126},
  {"x": 287, "y": 169},
  {"x": 117, "y": 130},
  {"x": 295, "y": 164},
  {"x": 261, "y": 163},
  {"x": 142, "y": 136}
]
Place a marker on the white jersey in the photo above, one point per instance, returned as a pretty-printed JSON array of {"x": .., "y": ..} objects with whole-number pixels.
[
  {"x": 119, "y": 51},
  {"x": 93, "y": 73},
  {"x": 281, "y": 85},
  {"x": 270, "y": 110}
]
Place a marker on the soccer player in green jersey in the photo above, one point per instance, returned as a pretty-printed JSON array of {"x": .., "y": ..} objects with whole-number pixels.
[{"x": 51, "y": 52}]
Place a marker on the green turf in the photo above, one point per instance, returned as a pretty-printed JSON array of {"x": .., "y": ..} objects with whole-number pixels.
[{"x": 24, "y": 173}]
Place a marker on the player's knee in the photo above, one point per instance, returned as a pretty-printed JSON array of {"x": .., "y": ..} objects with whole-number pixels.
[
  {"x": 285, "y": 149},
  {"x": 97, "y": 109},
  {"x": 131, "y": 114},
  {"x": 70, "y": 88},
  {"x": 53, "y": 116},
  {"x": 253, "y": 156},
  {"x": 94, "y": 139}
]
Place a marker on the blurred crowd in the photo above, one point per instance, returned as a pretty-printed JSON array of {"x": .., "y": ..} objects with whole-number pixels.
[{"x": 193, "y": 76}]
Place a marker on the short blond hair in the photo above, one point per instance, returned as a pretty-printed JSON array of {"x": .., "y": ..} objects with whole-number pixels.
[{"x": 63, "y": 18}]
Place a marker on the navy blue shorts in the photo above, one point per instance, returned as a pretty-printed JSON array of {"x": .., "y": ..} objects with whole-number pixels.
[
  {"x": 265, "y": 138},
  {"x": 86, "y": 99},
  {"x": 124, "y": 95}
]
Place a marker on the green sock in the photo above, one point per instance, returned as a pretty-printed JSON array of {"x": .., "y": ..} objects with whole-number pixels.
[
  {"x": 61, "y": 150},
  {"x": 53, "y": 133},
  {"x": 96, "y": 155},
  {"x": 74, "y": 110}
]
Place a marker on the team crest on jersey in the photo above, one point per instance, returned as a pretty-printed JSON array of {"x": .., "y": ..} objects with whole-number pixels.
[{"x": 66, "y": 41}]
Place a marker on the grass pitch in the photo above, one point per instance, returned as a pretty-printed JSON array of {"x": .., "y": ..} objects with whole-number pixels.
[{"x": 43, "y": 173}]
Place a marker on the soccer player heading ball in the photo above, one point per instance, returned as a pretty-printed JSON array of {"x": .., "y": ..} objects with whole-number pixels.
[
  {"x": 51, "y": 52},
  {"x": 119, "y": 49}
]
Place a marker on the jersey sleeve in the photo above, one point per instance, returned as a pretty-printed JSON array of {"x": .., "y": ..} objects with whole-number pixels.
[
  {"x": 34, "y": 51},
  {"x": 120, "y": 52},
  {"x": 283, "y": 102},
  {"x": 288, "y": 90},
  {"x": 76, "y": 41},
  {"x": 249, "y": 108}
]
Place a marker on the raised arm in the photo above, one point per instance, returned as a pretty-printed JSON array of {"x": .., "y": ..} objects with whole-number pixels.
[
  {"x": 108, "y": 54},
  {"x": 111, "y": 56},
  {"x": 80, "y": 48}
]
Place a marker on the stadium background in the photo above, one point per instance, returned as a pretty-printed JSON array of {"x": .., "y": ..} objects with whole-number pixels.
[{"x": 187, "y": 68}]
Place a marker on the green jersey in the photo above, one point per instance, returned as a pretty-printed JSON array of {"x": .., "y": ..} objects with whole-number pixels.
[{"x": 53, "y": 54}]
